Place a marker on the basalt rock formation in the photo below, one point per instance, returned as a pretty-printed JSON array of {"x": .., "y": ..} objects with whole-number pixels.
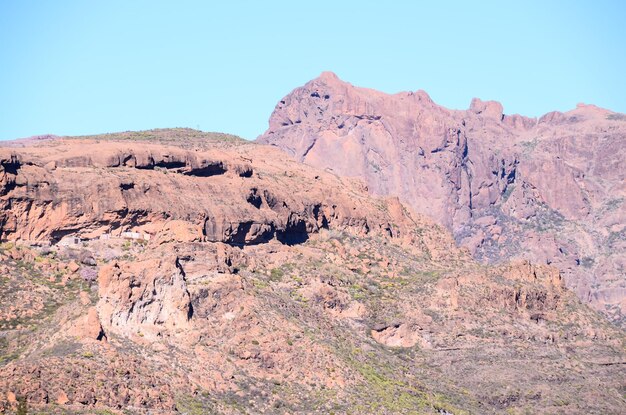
[
  {"x": 173, "y": 271},
  {"x": 550, "y": 189}
]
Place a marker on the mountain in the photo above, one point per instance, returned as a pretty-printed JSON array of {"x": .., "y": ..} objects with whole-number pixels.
[
  {"x": 175, "y": 271},
  {"x": 550, "y": 190}
]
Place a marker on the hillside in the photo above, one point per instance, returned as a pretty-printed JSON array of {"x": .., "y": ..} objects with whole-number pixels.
[{"x": 174, "y": 272}]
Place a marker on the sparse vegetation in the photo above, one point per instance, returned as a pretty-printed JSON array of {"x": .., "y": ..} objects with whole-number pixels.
[
  {"x": 183, "y": 137},
  {"x": 276, "y": 274},
  {"x": 529, "y": 146},
  {"x": 616, "y": 117},
  {"x": 22, "y": 406},
  {"x": 194, "y": 405},
  {"x": 507, "y": 193}
]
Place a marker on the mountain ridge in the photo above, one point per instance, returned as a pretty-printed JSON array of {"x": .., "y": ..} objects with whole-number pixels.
[
  {"x": 161, "y": 276},
  {"x": 459, "y": 166},
  {"x": 330, "y": 77}
]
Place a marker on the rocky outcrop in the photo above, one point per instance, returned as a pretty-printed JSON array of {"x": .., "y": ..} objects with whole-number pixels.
[
  {"x": 550, "y": 189},
  {"x": 88, "y": 326},
  {"x": 399, "y": 335},
  {"x": 49, "y": 192},
  {"x": 145, "y": 297}
]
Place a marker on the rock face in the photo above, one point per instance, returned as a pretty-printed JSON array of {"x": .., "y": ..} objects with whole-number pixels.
[
  {"x": 49, "y": 192},
  {"x": 550, "y": 189},
  {"x": 160, "y": 276},
  {"x": 137, "y": 297}
]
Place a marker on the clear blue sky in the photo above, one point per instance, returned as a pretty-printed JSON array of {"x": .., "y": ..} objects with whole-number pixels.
[{"x": 83, "y": 67}]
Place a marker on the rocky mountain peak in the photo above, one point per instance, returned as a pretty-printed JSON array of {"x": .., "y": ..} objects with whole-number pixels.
[
  {"x": 506, "y": 185},
  {"x": 492, "y": 109},
  {"x": 329, "y": 77}
]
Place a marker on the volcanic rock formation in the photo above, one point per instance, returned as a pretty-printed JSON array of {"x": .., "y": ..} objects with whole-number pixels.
[
  {"x": 174, "y": 271},
  {"x": 550, "y": 189}
]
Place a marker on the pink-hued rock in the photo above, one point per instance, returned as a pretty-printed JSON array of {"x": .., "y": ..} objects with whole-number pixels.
[
  {"x": 258, "y": 283},
  {"x": 118, "y": 190},
  {"x": 62, "y": 399},
  {"x": 88, "y": 326},
  {"x": 553, "y": 186},
  {"x": 144, "y": 297}
]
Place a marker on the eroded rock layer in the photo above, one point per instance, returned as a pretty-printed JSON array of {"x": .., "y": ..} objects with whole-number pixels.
[{"x": 90, "y": 189}]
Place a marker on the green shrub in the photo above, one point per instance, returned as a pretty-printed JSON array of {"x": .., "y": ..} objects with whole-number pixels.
[{"x": 22, "y": 406}]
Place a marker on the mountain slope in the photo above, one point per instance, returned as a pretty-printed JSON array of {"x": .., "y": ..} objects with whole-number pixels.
[
  {"x": 201, "y": 275},
  {"x": 550, "y": 189}
]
